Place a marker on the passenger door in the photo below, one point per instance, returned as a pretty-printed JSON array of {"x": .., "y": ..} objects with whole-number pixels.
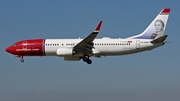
[{"x": 138, "y": 44}]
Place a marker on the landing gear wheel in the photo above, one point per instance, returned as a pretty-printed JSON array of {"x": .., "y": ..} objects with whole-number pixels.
[
  {"x": 85, "y": 59},
  {"x": 89, "y": 61},
  {"x": 22, "y": 60}
]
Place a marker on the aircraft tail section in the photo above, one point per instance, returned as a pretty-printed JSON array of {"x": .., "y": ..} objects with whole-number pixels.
[
  {"x": 156, "y": 28},
  {"x": 160, "y": 39}
]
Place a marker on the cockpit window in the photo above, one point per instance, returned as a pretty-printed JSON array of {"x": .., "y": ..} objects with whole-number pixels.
[{"x": 15, "y": 44}]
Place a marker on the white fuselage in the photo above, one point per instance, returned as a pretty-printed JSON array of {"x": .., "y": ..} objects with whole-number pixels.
[{"x": 102, "y": 47}]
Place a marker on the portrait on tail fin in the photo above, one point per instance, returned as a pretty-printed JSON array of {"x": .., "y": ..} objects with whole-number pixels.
[{"x": 159, "y": 27}]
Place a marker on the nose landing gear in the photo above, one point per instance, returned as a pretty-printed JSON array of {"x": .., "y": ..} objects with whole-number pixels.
[{"x": 22, "y": 60}]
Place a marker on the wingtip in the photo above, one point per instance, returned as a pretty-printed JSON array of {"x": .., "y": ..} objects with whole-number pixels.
[{"x": 98, "y": 27}]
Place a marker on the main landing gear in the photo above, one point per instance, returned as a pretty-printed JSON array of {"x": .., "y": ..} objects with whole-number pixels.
[{"x": 86, "y": 59}]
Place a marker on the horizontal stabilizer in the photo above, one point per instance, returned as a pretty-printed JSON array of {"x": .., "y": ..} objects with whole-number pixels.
[{"x": 160, "y": 39}]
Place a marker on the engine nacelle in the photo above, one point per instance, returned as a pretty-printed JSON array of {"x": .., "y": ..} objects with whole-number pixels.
[{"x": 64, "y": 52}]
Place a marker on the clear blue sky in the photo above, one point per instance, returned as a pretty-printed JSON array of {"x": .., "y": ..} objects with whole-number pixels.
[{"x": 148, "y": 76}]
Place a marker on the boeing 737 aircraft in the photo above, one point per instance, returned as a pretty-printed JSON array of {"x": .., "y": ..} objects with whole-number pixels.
[{"x": 77, "y": 49}]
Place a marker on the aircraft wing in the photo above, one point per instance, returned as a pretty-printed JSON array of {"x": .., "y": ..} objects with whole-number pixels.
[{"x": 86, "y": 44}]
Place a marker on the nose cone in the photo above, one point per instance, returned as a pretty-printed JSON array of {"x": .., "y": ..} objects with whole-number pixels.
[{"x": 8, "y": 49}]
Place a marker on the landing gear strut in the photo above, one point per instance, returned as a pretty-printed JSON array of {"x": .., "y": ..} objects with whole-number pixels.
[
  {"x": 22, "y": 60},
  {"x": 86, "y": 59}
]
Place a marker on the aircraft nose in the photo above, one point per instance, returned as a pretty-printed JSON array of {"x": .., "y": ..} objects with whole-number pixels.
[{"x": 8, "y": 49}]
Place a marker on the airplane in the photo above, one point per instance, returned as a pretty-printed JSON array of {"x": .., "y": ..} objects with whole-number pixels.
[{"x": 82, "y": 49}]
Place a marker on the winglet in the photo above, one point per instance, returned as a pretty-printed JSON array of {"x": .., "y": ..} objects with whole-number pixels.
[{"x": 98, "y": 27}]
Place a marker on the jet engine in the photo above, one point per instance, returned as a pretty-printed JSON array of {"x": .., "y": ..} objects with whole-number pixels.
[{"x": 64, "y": 52}]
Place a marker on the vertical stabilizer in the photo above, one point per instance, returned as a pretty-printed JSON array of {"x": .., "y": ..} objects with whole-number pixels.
[{"x": 156, "y": 28}]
